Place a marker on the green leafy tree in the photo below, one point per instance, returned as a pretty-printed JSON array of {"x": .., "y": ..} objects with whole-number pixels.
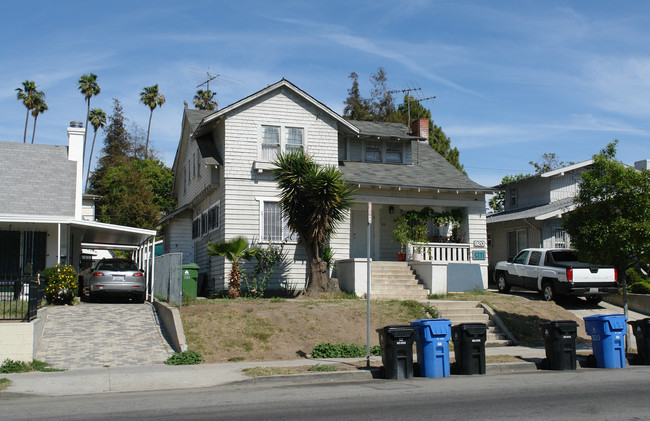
[
  {"x": 89, "y": 88},
  {"x": 382, "y": 104},
  {"x": 611, "y": 223},
  {"x": 234, "y": 250},
  {"x": 152, "y": 98},
  {"x": 97, "y": 120},
  {"x": 356, "y": 107},
  {"x": 204, "y": 100},
  {"x": 160, "y": 180},
  {"x": 27, "y": 94},
  {"x": 38, "y": 107},
  {"x": 314, "y": 200}
]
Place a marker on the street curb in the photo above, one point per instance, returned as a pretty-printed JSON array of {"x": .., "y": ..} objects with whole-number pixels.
[
  {"x": 504, "y": 368},
  {"x": 170, "y": 320},
  {"x": 314, "y": 378}
]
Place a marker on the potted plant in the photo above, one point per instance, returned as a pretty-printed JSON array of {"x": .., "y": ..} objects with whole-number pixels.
[
  {"x": 418, "y": 235},
  {"x": 401, "y": 235}
]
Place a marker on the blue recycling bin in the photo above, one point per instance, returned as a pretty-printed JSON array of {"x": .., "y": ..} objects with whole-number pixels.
[
  {"x": 607, "y": 339},
  {"x": 432, "y": 342}
]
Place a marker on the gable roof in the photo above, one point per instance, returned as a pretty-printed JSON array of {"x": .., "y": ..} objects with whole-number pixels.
[
  {"x": 397, "y": 131},
  {"x": 432, "y": 171},
  {"x": 278, "y": 85},
  {"x": 552, "y": 173}
]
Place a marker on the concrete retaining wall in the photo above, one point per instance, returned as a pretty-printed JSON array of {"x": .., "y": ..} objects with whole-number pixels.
[
  {"x": 635, "y": 302},
  {"x": 170, "y": 320},
  {"x": 18, "y": 340}
]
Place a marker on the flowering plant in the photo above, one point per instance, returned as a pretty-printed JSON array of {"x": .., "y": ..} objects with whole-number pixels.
[{"x": 61, "y": 284}]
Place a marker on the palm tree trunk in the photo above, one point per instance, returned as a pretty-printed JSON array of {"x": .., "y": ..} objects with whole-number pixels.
[
  {"x": 146, "y": 147},
  {"x": 34, "y": 132},
  {"x": 90, "y": 160},
  {"x": 86, "y": 133},
  {"x": 26, "y": 120}
]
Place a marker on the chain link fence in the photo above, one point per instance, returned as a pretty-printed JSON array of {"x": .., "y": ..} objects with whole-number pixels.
[{"x": 168, "y": 276}]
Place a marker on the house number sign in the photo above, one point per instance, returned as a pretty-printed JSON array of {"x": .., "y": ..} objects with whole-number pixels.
[
  {"x": 478, "y": 255},
  {"x": 479, "y": 243}
]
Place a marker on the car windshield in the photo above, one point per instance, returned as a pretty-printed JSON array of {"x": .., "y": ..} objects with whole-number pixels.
[
  {"x": 118, "y": 265},
  {"x": 565, "y": 256}
]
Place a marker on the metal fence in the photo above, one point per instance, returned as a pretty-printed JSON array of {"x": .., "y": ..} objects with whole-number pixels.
[
  {"x": 20, "y": 298},
  {"x": 168, "y": 275}
]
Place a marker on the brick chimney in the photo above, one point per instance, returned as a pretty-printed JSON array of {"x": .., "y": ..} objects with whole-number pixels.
[
  {"x": 76, "y": 153},
  {"x": 420, "y": 127}
]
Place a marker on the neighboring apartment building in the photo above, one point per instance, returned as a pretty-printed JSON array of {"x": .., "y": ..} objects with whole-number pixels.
[
  {"x": 533, "y": 211},
  {"x": 225, "y": 188}
]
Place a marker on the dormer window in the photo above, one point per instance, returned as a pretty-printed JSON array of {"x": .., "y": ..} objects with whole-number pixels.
[
  {"x": 373, "y": 151},
  {"x": 394, "y": 154},
  {"x": 270, "y": 142}
]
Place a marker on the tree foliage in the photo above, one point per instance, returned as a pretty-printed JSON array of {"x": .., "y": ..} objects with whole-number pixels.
[
  {"x": 314, "y": 200},
  {"x": 38, "y": 107},
  {"x": 204, "y": 100},
  {"x": 27, "y": 94},
  {"x": 152, "y": 98},
  {"x": 548, "y": 162},
  {"x": 234, "y": 250},
  {"x": 497, "y": 201},
  {"x": 89, "y": 88},
  {"x": 611, "y": 224},
  {"x": 356, "y": 107},
  {"x": 134, "y": 192}
]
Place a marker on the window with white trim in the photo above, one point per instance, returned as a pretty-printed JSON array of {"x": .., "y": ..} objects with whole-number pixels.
[
  {"x": 295, "y": 137},
  {"x": 274, "y": 226},
  {"x": 559, "y": 238},
  {"x": 214, "y": 215},
  {"x": 270, "y": 142}
]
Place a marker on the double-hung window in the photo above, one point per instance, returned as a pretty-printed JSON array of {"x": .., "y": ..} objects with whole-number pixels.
[
  {"x": 274, "y": 226},
  {"x": 294, "y": 139},
  {"x": 373, "y": 151},
  {"x": 270, "y": 142},
  {"x": 394, "y": 154}
]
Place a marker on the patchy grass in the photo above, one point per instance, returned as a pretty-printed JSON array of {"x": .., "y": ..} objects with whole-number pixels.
[
  {"x": 12, "y": 366},
  {"x": 4, "y": 383}
]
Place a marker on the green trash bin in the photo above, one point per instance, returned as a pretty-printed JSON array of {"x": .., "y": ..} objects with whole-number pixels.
[{"x": 190, "y": 277}]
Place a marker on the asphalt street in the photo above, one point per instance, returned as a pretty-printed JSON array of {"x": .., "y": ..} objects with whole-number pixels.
[{"x": 592, "y": 394}]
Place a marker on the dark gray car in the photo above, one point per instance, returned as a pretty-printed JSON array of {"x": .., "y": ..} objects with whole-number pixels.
[{"x": 116, "y": 278}]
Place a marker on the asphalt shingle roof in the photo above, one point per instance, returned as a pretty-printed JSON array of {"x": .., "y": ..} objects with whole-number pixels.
[
  {"x": 431, "y": 171},
  {"x": 531, "y": 212},
  {"x": 394, "y": 130}
]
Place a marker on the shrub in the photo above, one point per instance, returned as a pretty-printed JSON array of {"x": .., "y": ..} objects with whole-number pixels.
[
  {"x": 61, "y": 284},
  {"x": 11, "y": 366},
  {"x": 267, "y": 259},
  {"x": 328, "y": 350},
  {"x": 642, "y": 287},
  {"x": 184, "y": 358}
]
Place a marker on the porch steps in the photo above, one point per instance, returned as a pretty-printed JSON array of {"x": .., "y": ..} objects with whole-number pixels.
[
  {"x": 470, "y": 312},
  {"x": 395, "y": 280}
]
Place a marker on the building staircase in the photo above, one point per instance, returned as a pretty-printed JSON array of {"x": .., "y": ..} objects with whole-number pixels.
[{"x": 396, "y": 280}]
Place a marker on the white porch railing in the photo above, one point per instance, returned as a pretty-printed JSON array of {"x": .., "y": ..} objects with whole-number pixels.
[{"x": 442, "y": 252}]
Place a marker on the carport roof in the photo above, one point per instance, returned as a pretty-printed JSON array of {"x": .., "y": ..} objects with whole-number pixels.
[{"x": 94, "y": 232}]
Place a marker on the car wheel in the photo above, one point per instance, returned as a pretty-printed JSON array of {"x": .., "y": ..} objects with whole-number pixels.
[
  {"x": 502, "y": 283},
  {"x": 594, "y": 300},
  {"x": 140, "y": 299},
  {"x": 547, "y": 291}
]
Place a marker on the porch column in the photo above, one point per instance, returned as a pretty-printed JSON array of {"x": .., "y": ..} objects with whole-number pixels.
[
  {"x": 58, "y": 243},
  {"x": 153, "y": 265}
]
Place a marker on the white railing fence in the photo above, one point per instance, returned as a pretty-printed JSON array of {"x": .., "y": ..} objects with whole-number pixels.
[{"x": 441, "y": 252}]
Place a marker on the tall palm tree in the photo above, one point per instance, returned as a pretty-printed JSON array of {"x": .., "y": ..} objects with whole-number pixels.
[
  {"x": 26, "y": 93},
  {"x": 151, "y": 97},
  {"x": 204, "y": 100},
  {"x": 98, "y": 120},
  {"x": 314, "y": 200},
  {"x": 89, "y": 88},
  {"x": 39, "y": 107},
  {"x": 234, "y": 250}
]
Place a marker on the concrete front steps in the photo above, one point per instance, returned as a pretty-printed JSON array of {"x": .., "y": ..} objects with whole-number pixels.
[
  {"x": 395, "y": 280},
  {"x": 470, "y": 312}
]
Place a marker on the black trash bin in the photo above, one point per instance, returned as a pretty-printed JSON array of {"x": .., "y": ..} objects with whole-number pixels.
[
  {"x": 397, "y": 351},
  {"x": 560, "y": 344},
  {"x": 469, "y": 347},
  {"x": 641, "y": 330}
]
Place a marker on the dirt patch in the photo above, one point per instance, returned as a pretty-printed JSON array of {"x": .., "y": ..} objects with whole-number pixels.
[{"x": 265, "y": 330}]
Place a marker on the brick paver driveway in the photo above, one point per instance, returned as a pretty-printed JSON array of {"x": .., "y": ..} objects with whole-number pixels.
[{"x": 102, "y": 334}]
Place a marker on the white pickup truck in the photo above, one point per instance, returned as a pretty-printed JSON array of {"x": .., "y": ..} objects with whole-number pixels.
[{"x": 555, "y": 272}]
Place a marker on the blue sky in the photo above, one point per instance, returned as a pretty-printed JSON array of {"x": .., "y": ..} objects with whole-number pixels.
[{"x": 513, "y": 79}]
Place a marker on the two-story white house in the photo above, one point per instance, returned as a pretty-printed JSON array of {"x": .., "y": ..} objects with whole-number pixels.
[{"x": 225, "y": 188}]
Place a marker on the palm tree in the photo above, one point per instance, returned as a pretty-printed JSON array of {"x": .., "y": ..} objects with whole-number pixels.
[
  {"x": 233, "y": 250},
  {"x": 151, "y": 97},
  {"x": 314, "y": 200},
  {"x": 89, "y": 88},
  {"x": 204, "y": 100},
  {"x": 98, "y": 120},
  {"x": 39, "y": 107},
  {"x": 26, "y": 93}
]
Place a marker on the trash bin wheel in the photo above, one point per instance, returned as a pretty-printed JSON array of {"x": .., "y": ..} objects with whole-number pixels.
[{"x": 547, "y": 291}]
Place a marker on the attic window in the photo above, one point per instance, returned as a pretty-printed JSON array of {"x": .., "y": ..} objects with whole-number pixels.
[
  {"x": 373, "y": 151},
  {"x": 270, "y": 142},
  {"x": 394, "y": 154}
]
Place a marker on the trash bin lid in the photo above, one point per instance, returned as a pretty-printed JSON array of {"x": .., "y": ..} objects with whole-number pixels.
[
  {"x": 561, "y": 325},
  {"x": 472, "y": 328},
  {"x": 399, "y": 331}
]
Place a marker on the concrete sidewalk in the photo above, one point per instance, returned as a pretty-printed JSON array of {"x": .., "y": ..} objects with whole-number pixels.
[{"x": 163, "y": 377}]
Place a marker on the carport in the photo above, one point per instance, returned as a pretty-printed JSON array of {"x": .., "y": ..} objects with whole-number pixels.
[{"x": 35, "y": 242}]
